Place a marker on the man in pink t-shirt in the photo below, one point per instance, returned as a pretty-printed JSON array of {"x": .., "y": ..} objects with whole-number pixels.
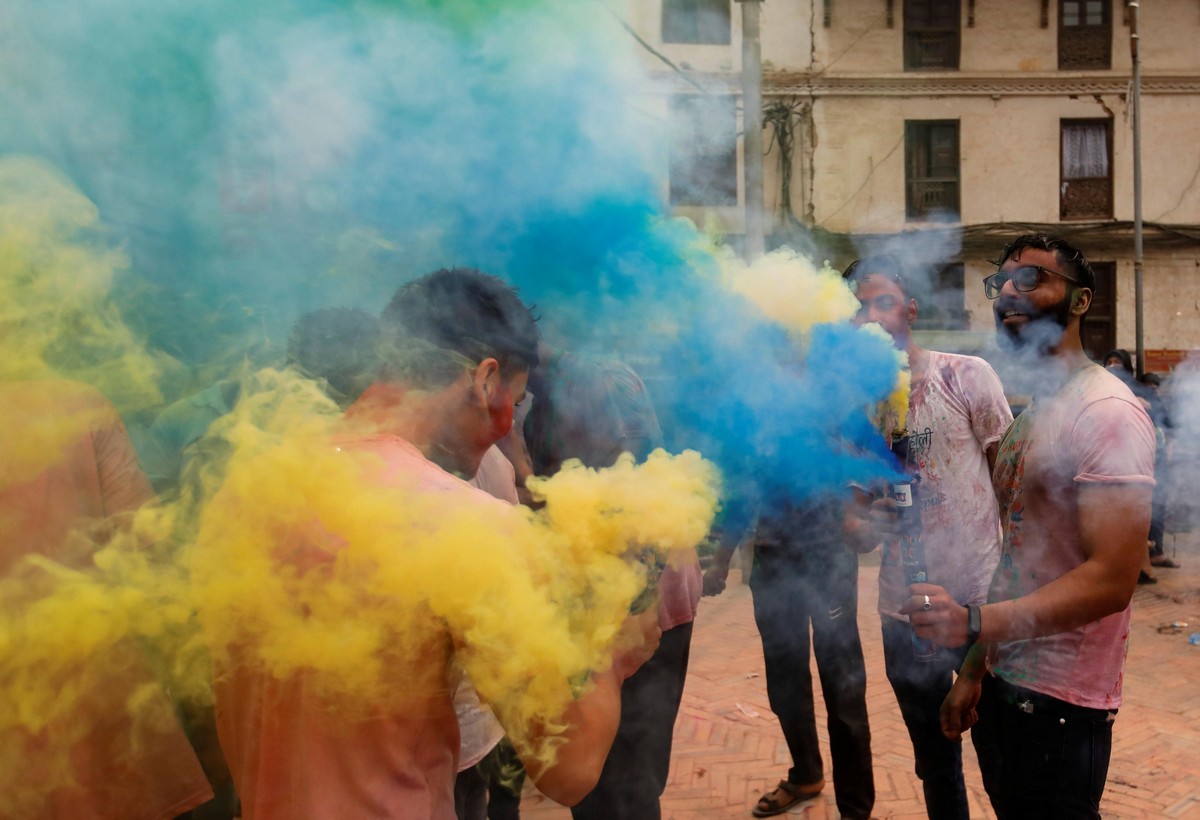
[
  {"x": 457, "y": 346},
  {"x": 1074, "y": 477},
  {"x": 957, "y": 414}
]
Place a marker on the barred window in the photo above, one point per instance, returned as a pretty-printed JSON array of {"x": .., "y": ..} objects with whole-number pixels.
[
  {"x": 1086, "y": 188},
  {"x": 1084, "y": 34},
  {"x": 931, "y": 168},
  {"x": 932, "y": 29}
]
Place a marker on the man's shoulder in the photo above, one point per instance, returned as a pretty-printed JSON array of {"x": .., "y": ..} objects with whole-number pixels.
[
  {"x": 970, "y": 378},
  {"x": 1096, "y": 386},
  {"x": 1093, "y": 403},
  {"x": 962, "y": 363}
]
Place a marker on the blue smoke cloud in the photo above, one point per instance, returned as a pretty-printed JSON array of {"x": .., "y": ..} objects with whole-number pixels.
[{"x": 260, "y": 160}]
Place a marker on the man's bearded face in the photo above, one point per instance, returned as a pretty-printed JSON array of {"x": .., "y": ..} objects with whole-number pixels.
[{"x": 1023, "y": 325}]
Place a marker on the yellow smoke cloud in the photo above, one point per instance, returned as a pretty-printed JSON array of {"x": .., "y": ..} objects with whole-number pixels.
[
  {"x": 56, "y": 272},
  {"x": 295, "y": 555},
  {"x": 310, "y": 558},
  {"x": 790, "y": 289}
]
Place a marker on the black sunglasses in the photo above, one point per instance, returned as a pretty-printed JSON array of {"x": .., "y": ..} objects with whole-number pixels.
[{"x": 1024, "y": 279}]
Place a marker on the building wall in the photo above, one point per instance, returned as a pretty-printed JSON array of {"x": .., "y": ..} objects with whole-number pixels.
[{"x": 1008, "y": 97}]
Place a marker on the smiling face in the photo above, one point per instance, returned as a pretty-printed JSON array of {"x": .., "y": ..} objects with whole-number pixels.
[{"x": 1038, "y": 318}]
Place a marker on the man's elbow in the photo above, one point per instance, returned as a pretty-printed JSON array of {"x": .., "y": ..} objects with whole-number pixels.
[
  {"x": 568, "y": 784},
  {"x": 1115, "y": 596}
]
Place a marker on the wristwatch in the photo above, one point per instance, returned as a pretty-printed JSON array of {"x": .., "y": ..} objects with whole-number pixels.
[{"x": 973, "y": 625}]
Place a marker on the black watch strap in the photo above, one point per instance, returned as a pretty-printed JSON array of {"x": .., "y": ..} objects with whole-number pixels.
[{"x": 973, "y": 623}]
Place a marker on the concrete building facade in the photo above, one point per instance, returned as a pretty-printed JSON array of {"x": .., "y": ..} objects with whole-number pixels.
[{"x": 941, "y": 128}]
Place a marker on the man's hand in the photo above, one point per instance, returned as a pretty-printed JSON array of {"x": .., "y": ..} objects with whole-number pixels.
[
  {"x": 884, "y": 516},
  {"x": 860, "y": 531},
  {"x": 715, "y": 577},
  {"x": 959, "y": 708},
  {"x": 944, "y": 621},
  {"x": 636, "y": 642}
]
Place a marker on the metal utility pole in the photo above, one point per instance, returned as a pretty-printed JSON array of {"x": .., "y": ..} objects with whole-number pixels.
[
  {"x": 1136, "y": 97},
  {"x": 752, "y": 128}
]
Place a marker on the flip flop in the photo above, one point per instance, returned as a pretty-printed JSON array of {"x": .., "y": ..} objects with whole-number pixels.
[
  {"x": 785, "y": 796},
  {"x": 1164, "y": 562}
]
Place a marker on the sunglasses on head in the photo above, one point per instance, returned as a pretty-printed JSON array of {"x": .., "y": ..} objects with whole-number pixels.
[{"x": 1024, "y": 279}]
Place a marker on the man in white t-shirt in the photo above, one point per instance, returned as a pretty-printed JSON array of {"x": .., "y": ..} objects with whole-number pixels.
[
  {"x": 1074, "y": 476},
  {"x": 956, "y": 417}
]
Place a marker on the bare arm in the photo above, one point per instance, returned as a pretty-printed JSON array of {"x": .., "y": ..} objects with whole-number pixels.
[
  {"x": 592, "y": 725},
  {"x": 1113, "y": 520},
  {"x": 958, "y": 713},
  {"x": 592, "y": 719}
]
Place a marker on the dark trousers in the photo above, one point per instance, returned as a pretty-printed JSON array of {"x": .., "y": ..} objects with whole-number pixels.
[
  {"x": 471, "y": 794},
  {"x": 635, "y": 772},
  {"x": 791, "y": 591},
  {"x": 1158, "y": 506},
  {"x": 1040, "y": 756},
  {"x": 505, "y": 778},
  {"x": 920, "y": 688}
]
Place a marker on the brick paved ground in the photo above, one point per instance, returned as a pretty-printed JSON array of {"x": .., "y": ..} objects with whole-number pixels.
[{"x": 729, "y": 750}]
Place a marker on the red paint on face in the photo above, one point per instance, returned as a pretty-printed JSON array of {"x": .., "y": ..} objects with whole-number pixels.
[{"x": 500, "y": 410}]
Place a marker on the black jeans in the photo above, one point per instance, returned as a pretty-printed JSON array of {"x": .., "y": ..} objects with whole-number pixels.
[
  {"x": 793, "y": 589},
  {"x": 635, "y": 772},
  {"x": 1040, "y": 756},
  {"x": 920, "y": 688}
]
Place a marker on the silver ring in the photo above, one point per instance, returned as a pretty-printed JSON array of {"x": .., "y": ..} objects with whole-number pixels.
[{"x": 928, "y": 605}]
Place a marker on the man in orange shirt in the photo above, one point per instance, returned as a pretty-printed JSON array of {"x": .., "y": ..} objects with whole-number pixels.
[{"x": 457, "y": 349}]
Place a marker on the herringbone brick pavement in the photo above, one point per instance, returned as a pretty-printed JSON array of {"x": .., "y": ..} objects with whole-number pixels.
[{"x": 729, "y": 750}]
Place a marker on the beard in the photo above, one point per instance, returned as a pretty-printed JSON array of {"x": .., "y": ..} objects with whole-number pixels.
[{"x": 1043, "y": 330}]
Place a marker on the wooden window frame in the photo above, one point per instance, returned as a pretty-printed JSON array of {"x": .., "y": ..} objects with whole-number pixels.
[
  {"x": 943, "y": 190},
  {"x": 923, "y": 39},
  {"x": 1072, "y": 201},
  {"x": 681, "y": 22},
  {"x": 1083, "y": 47}
]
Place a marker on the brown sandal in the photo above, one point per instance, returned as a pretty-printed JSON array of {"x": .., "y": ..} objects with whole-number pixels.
[{"x": 785, "y": 796}]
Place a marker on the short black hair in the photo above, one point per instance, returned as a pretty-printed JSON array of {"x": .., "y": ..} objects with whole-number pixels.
[
  {"x": 1067, "y": 255},
  {"x": 452, "y": 319},
  {"x": 883, "y": 264},
  {"x": 339, "y": 345}
]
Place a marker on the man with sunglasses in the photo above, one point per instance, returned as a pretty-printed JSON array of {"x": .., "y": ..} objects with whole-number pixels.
[
  {"x": 1074, "y": 477},
  {"x": 957, "y": 416}
]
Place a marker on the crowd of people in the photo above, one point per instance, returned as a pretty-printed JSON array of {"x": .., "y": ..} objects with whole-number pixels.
[{"x": 1030, "y": 536}]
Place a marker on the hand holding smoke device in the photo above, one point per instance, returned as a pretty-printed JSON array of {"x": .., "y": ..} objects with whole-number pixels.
[{"x": 912, "y": 544}]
